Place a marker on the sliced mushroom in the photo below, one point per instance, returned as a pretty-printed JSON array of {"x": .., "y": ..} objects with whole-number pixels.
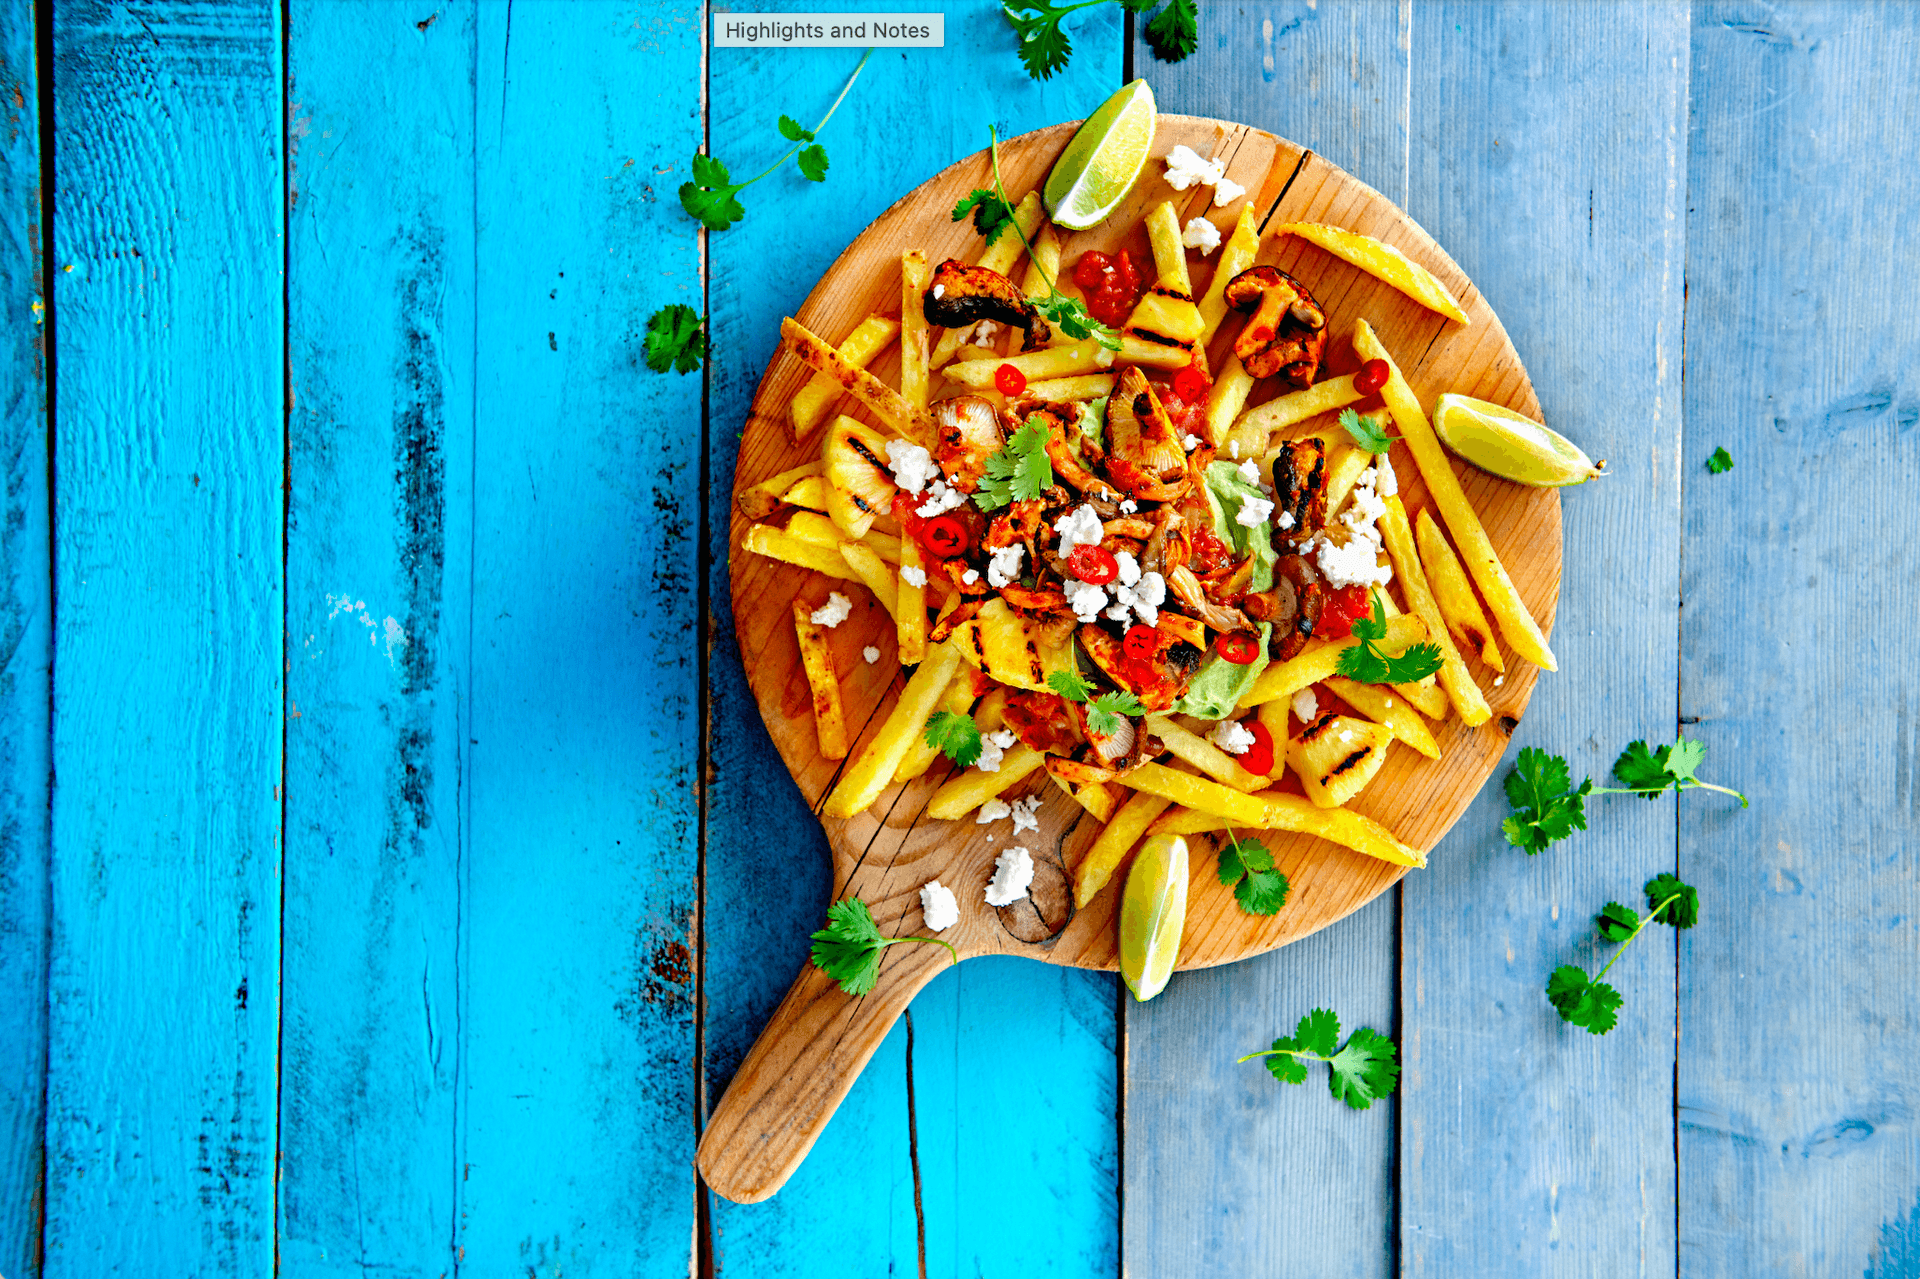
[
  {"x": 1144, "y": 457},
  {"x": 1298, "y": 577},
  {"x": 961, "y": 294},
  {"x": 1288, "y": 330},
  {"x": 1186, "y": 588},
  {"x": 1299, "y": 490},
  {"x": 967, "y": 433}
]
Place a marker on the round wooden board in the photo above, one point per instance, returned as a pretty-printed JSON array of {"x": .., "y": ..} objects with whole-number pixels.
[{"x": 818, "y": 1039}]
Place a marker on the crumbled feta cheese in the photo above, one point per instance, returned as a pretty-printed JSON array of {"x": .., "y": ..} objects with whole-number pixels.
[
  {"x": 1233, "y": 447},
  {"x": 1129, "y": 567},
  {"x": 1023, "y": 814},
  {"x": 1185, "y": 167},
  {"x": 833, "y": 612},
  {"x": 1201, "y": 234},
  {"x": 1012, "y": 876},
  {"x": 1079, "y": 528},
  {"x": 1386, "y": 484},
  {"x": 912, "y": 466},
  {"x": 1498, "y": 680},
  {"x": 1305, "y": 706},
  {"x": 1143, "y": 597},
  {"x": 913, "y": 575},
  {"x": 937, "y": 906},
  {"x": 940, "y": 499},
  {"x": 1226, "y": 191},
  {"x": 1003, "y": 567},
  {"x": 1345, "y": 735},
  {"x": 1084, "y": 598},
  {"x": 1189, "y": 442},
  {"x": 1356, "y": 562},
  {"x": 1253, "y": 512},
  {"x": 1250, "y": 471},
  {"x": 1120, "y": 612},
  {"x": 871, "y": 653},
  {"x": 1129, "y": 506},
  {"x": 1286, "y": 520},
  {"x": 991, "y": 811},
  {"x": 993, "y": 748},
  {"x": 971, "y": 576},
  {"x": 1231, "y": 736},
  {"x": 939, "y": 290},
  {"x": 985, "y": 333}
]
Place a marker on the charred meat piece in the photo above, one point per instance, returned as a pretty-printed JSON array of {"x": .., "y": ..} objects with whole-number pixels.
[
  {"x": 1157, "y": 680},
  {"x": 1044, "y": 610},
  {"x": 1296, "y": 573},
  {"x": 1288, "y": 330},
  {"x": 1187, "y": 589},
  {"x": 1144, "y": 457},
  {"x": 1018, "y": 522},
  {"x": 1042, "y": 721},
  {"x": 1165, "y": 547},
  {"x": 1299, "y": 491},
  {"x": 968, "y": 433},
  {"x": 961, "y": 294}
]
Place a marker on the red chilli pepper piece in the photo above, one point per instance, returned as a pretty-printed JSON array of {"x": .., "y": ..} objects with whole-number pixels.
[
  {"x": 945, "y": 536},
  {"x": 1190, "y": 384},
  {"x": 1140, "y": 642},
  {"x": 1372, "y": 376},
  {"x": 1093, "y": 564},
  {"x": 1010, "y": 380},
  {"x": 1237, "y": 647},
  {"x": 1258, "y": 758}
]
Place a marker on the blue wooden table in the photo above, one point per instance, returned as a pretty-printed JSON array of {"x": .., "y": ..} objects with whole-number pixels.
[{"x": 393, "y": 867}]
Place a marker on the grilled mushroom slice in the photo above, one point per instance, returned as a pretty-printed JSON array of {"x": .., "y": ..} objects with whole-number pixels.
[
  {"x": 1288, "y": 330},
  {"x": 968, "y": 433},
  {"x": 1144, "y": 457},
  {"x": 1299, "y": 490},
  {"x": 961, "y": 294}
]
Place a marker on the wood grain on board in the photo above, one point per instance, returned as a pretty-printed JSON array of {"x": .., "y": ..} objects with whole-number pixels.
[{"x": 886, "y": 853}]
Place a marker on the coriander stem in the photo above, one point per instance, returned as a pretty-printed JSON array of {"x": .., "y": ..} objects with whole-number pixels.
[
  {"x": 1284, "y": 1052},
  {"x": 1646, "y": 919},
  {"x": 1053, "y": 287},
  {"x": 1678, "y": 786},
  {"x": 888, "y": 941},
  {"x": 817, "y": 129}
]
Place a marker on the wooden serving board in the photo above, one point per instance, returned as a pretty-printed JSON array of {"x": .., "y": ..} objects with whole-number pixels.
[{"x": 818, "y": 1039}]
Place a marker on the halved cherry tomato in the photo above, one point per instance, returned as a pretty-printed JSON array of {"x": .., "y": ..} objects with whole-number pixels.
[
  {"x": 1237, "y": 647},
  {"x": 1010, "y": 380},
  {"x": 1140, "y": 642},
  {"x": 1342, "y": 608},
  {"x": 1372, "y": 376},
  {"x": 1258, "y": 758},
  {"x": 1093, "y": 564},
  {"x": 1190, "y": 383},
  {"x": 945, "y": 536}
]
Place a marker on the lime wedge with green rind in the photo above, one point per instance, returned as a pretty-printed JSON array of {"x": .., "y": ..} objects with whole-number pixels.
[
  {"x": 1511, "y": 445},
  {"x": 1153, "y": 912},
  {"x": 1103, "y": 161}
]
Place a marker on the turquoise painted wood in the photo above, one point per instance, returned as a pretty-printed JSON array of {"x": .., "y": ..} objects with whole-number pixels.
[
  {"x": 381, "y": 315},
  {"x": 163, "y": 985},
  {"x": 26, "y": 638},
  {"x": 1798, "y": 1031}
]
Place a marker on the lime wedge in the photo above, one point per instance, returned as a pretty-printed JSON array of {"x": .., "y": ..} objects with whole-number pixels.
[
  {"x": 1510, "y": 445},
  {"x": 1153, "y": 911},
  {"x": 1102, "y": 162}
]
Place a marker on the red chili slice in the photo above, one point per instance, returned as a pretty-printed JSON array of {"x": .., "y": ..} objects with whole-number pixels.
[
  {"x": 1190, "y": 384},
  {"x": 1093, "y": 564},
  {"x": 1238, "y": 647},
  {"x": 945, "y": 536},
  {"x": 1140, "y": 643},
  {"x": 1372, "y": 376},
  {"x": 1258, "y": 758},
  {"x": 1010, "y": 380}
]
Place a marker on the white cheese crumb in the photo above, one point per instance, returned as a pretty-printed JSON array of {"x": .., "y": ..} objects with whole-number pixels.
[
  {"x": 871, "y": 653},
  {"x": 1387, "y": 484},
  {"x": 993, "y": 748},
  {"x": 1185, "y": 167},
  {"x": 1023, "y": 814},
  {"x": 1129, "y": 567},
  {"x": 1305, "y": 706},
  {"x": 1079, "y": 528},
  {"x": 940, "y": 499},
  {"x": 1231, "y": 736},
  {"x": 1226, "y": 191},
  {"x": 1012, "y": 876},
  {"x": 1003, "y": 567},
  {"x": 1357, "y": 562},
  {"x": 1253, "y": 512},
  {"x": 1189, "y": 442},
  {"x": 939, "y": 290},
  {"x": 1201, "y": 234},
  {"x": 1233, "y": 447},
  {"x": 1250, "y": 471},
  {"x": 1143, "y": 597},
  {"x": 1103, "y": 358},
  {"x": 1498, "y": 680},
  {"x": 1286, "y": 520},
  {"x": 912, "y": 575},
  {"x": 971, "y": 576},
  {"x": 985, "y": 333},
  {"x": 991, "y": 811},
  {"x": 937, "y": 906},
  {"x": 912, "y": 465},
  {"x": 1084, "y": 598},
  {"x": 833, "y": 612},
  {"x": 1129, "y": 506}
]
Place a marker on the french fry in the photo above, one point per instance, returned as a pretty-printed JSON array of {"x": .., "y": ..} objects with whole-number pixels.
[
  {"x": 1321, "y": 659},
  {"x": 1203, "y": 754},
  {"x": 1224, "y": 402},
  {"x": 764, "y": 498},
  {"x": 1454, "y": 675},
  {"x": 921, "y": 754},
  {"x": 873, "y": 571},
  {"x": 1155, "y": 355},
  {"x": 1122, "y": 832},
  {"x": 910, "y": 613},
  {"x": 1043, "y": 264},
  {"x": 991, "y": 715},
  {"x": 972, "y": 788},
  {"x": 829, "y": 719},
  {"x": 999, "y": 256},
  {"x": 1382, "y": 707},
  {"x": 776, "y": 545},
  {"x": 1169, "y": 254},
  {"x": 1295, "y": 813},
  {"x": 809, "y": 493},
  {"x": 862, "y": 782},
  {"x": 882, "y": 400},
  {"x": 1297, "y": 406},
  {"x": 913, "y": 328},
  {"x": 808, "y": 409},
  {"x": 1236, "y": 255},
  {"x": 1086, "y": 386},
  {"x": 1425, "y": 694},
  {"x": 1274, "y": 715},
  {"x": 1342, "y": 472},
  {"x": 1450, "y": 590},
  {"x": 1084, "y": 356},
  {"x": 1382, "y": 261},
  {"x": 810, "y": 526},
  {"x": 1476, "y": 550},
  {"x": 1196, "y": 792},
  {"x": 1096, "y": 797}
]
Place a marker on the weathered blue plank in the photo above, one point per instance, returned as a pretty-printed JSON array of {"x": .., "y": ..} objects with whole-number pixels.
[
  {"x": 1212, "y": 1146},
  {"x": 26, "y": 639},
  {"x": 1799, "y": 1033},
  {"x": 575, "y": 952},
  {"x": 381, "y": 350},
  {"x": 1564, "y": 204},
  {"x": 884, "y": 141},
  {"x": 168, "y": 692}
]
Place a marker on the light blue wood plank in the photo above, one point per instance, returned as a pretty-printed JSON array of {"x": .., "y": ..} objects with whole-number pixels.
[
  {"x": 577, "y": 1075},
  {"x": 1213, "y": 1146},
  {"x": 885, "y": 141},
  {"x": 1549, "y": 158},
  {"x": 381, "y": 350},
  {"x": 1798, "y": 1148},
  {"x": 168, "y": 687},
  {"x": 26, "y": 640}
]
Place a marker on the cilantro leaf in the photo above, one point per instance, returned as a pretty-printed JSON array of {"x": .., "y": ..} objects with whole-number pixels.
[
  {"x": 711, "y": 196},
  {"x": 790, "y": 130},
  {"x": 1366, "y": 432},
  {"x": 1071, "y": 317},
  {"x": 1318, "y": 1032},
  {"x": 813, "y": 163},
  {"x": 1069, "y": 685},
  {"x": 1104, "y": 711},
  {"x": 1617, "y": 923},
  {"x": 1367, "y": 664},
  {"x": 1547, "y": 807},
  {"x": 1246, "y": 866},
  {"x": 1044, "y": 47},
  {"x": 1282, "y": 1062},
  {"x": 1364, "y": 1071},
  {"x": 1586, "y": 1002},
  {"x": 848, "y": 948},
  {"x": 991, "y": 214},
  {"x": 1720, "y": 463},
  {"x": 1174, "y": 32},
  {"x": 1649, "y": 772},
  {"x": 954, "y": 735},
  {"x": 1678, "y": 902},
  {"x": 676, "y": 339},
  {"x": 1019, "y": 472}
]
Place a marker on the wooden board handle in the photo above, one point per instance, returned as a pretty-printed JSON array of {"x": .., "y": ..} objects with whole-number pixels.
[{"x": 798, "y": 1071}]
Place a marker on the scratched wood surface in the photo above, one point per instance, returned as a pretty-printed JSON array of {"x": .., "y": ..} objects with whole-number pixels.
[{"x": 463, "y": 1034}]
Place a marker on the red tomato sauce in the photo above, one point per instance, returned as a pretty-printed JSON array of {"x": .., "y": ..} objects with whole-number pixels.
[{"x": 1111, "y": 285}]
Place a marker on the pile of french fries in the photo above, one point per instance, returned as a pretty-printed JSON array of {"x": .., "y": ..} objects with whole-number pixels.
[{"x": 1194, "y": 787}]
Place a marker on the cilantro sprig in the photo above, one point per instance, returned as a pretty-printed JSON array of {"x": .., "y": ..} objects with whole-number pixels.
[
  {"x": 1548, "y": 807},
  {"x": 1720, "y": 462},
  {"x": 1103, "y": 712},
  {"x": 1653, "y": 772},
  {"x": 1045, "y": 47},
  {"x": 1018, "y": 471},
  {"x": 956, "y": 736},
  {"x": 848, "y": 948},
  {"x": 713, "y": 197},
  {"x": 1246, "y": 866},
  {"x": 1366, "y": 663},
  {"x": 1361, "y": 1073},
  {"x": 676, "y": 339},
  {"x": 1588, "y": 1001},
  {"x": 1366, "y": 432},
  {"x": 991, "y": 214}
]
